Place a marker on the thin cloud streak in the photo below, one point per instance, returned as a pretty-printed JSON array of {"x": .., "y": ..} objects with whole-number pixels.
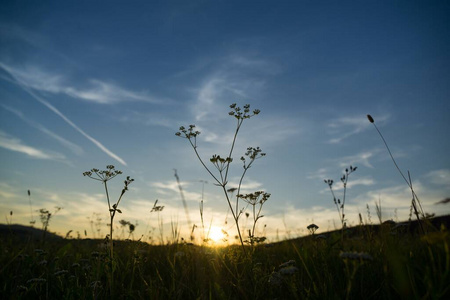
[
  {"x": 338, "y": 186},
  {"x": 14, "y": 144},
  {"x": 350, "y": 126},
  {"x": 439, "y": 177},
  {"x": 97, "y": 91},
  {"x": 362, "y": 158},
  {"x": 71, "y": 146},
  {"x": 56, "y": 111}
]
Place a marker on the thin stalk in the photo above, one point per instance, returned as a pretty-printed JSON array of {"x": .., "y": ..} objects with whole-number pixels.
[
  {"x": 235, "y": 220},
  {"x": 201, "y": 161},
  {"x": 239, "y": 190},
  {"x": 334, "y": 198},
  {"x": 240, "y": 121},
  {"x": 111, "y": 216},
  {"x": 186, "y": 211},
  {"x": 107, "y": 195},
  {"x": 395, "y": 163}
]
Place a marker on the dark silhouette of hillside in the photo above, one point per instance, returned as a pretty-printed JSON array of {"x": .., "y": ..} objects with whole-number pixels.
[
  {"x": 412, "y": 227},
  {"x": 21, "y": 233}
]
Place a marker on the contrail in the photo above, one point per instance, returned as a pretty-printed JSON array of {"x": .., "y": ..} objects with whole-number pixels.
[{"x": 68, "y": 121}]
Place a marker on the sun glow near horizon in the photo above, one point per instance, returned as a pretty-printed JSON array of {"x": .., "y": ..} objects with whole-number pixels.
[{"x": 216, "y": 235}]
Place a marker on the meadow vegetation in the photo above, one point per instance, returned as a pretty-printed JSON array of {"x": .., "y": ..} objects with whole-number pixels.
[{"x": 409, "y": 260}]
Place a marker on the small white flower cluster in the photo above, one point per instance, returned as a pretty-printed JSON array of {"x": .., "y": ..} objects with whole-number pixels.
[
  {"x": 289, "y": 270},
  {"x": 355, "y": 255},
  {"x": 39, "y": 251},
  {"x": 37, "y": 280},
  {"x": 61, "y": 272},
  {"x": 286, "y": 269},
  {"x": 287, "y": 264},
  {"x": 42, "y": 262}
]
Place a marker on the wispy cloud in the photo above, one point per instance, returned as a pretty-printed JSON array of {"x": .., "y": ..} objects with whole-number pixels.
[
  {"x": 343, "y": 128},
  {"x": 71, "y": 146},
  {"x": 439, "y": 177},
  {"x": 6, "y": 191},
  {"x": 14, "y": 144},
  {"x": 365, "y": 181},
  {"x": 322, "y": 173},
  {"x": 67, "y": 120},
  {"x": 362, "y": 158},
  {"x": 247, "y": 186},
  {"x": 232, "y": 77},
  {"x": 94, "y": 90},
  {"x": 239, "y": 78},
  {"x": 171, "y": 188}
]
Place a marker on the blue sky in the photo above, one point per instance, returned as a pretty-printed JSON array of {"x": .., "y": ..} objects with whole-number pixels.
[{"x": 86, "y": 84}]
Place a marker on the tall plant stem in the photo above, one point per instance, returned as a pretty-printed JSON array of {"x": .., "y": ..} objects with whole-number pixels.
[
  {"x": 223, "y": 183},
  {"x": 239, "y": 191},
  {"x": 232, "y": 145},
  {"x": 236, "y": 220},
  {"x": 395, "y": 163},
  {"x": 180, "y": 188},
  {"x": 111, "y": 215}
]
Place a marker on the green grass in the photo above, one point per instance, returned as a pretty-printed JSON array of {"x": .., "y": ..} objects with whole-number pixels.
[{"x": 402, "y": 266}]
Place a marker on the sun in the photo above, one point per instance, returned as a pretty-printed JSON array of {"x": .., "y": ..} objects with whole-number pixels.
[{"x": 216, "y": 234}]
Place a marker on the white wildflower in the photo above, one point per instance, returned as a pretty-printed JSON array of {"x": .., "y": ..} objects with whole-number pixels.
[
  {"x": 287, "y": 264},
  {"x": 37, "y": 280},
  {"x": 290, "y": 270}
]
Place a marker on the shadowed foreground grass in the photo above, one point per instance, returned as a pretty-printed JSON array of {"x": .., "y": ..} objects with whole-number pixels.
[{"x": 388, "y": 263}]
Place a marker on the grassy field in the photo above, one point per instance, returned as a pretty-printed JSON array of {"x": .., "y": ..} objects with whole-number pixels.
[
  {"x": 410, "y": 260},
  {"x": 367, "y": 262}
]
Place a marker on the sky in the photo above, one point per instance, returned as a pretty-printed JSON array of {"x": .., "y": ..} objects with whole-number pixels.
[{"x": 86, "y": 84}]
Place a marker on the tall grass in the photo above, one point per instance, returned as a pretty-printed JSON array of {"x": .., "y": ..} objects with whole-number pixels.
[
  {"x": 415, "y": 202},
  {"x": 388, "y": 266}
]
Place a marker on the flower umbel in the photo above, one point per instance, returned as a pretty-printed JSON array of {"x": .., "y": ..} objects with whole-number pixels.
[{"x": 104, "y": 176}]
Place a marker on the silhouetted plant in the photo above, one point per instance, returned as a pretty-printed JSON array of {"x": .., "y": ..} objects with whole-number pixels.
[
  {"x": 95, "y": 221},
  {"x": 131, "y": 227},
  {"x": 104, "y": 176},
  {"x": 415, "y": 202},
  {"x": 341, "y": 205},
  {"x": 32, "y": 220},
  {"x": 159, "y": 208},
  {"x": 312, "y": 228},
  {"x": 45, "y": 217},
  {"x": 222, "y": 164},
  {"x": 255, "y": 199}
]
